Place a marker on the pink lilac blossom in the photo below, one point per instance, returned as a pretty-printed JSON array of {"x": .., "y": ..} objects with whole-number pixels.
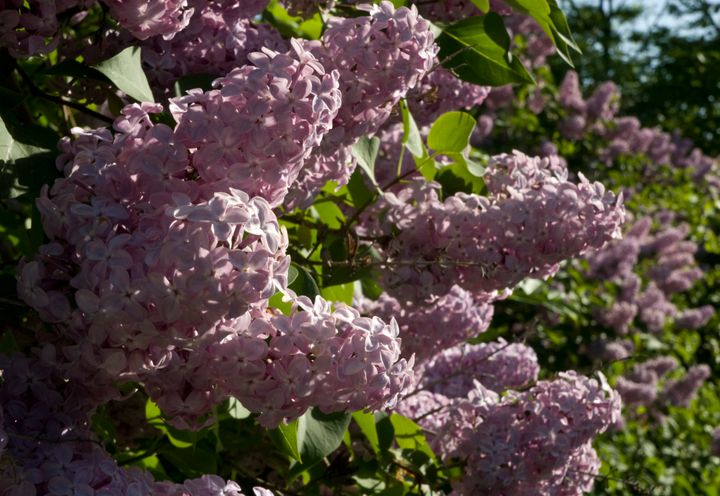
[
  {"x": 218, "y": 38},
  {"x": 317, "y": 170},
  {"x": 680, "y": 392},
  {"x": 279, "y": 366},
  {"x": 391, "y": 145},
  {"x": 439, "y": 92},
  {"x": 454, "y": 10},
  {"x": 255, "y": 131},
  {"x": 647, "y": 385},
  {"x": 434, "y": 325},
  {"x": 655, "y": 308},
  {"x": 429, "y": 410},
  {"x": 624, "y": 134},
  {"x": 307, "y": 8},
  {"x": 537, "y": 46},
  {"x": 640, "y": 386},
  {"x": 379, "y": 58},
  {"x": 533, "y": 219},
  {"x": 673, "y": 270},
  {"x": 497, "y": 365},
  {"x": 137, "y": 260},
  {"x": 52, "y": 450},
  {"x": 145, "y": 18},
  {"x": 607, "y": 350},
  {"x": 531, "y": 442},
  {"x": 715, "y": 443},
  {"x": 33, "y": 28},
  {"x": 695, "y": 318}
]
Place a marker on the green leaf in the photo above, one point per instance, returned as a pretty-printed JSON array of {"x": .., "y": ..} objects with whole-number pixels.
[
  {"x": 365, "y": 151},
  {"x": 75, "y": 69},
  {"x": 177, "y": 438},
  {"x": 457, "y": 178},
  {"x": 125, "y": 71},
  {"x": 340, "y": 292},
  {"x": 409, "y": 435},
  {"x": 552, "y": 20},
  {"x": 330, "y": 214},
  {"x": 473, "y": 167},
  {"x": 411, "y": 134},
  {"x": 276, "y": 301},
  {"x": 304, "y": 284},
  {"x": 427, "y": 168},
  {"x": 293, "y": 273},
  {"x": 285, "y": 437},
  {"x": 236, "y": 409},
  {"x": 359, "y": 191},
  {"x": 483, "y": 5},
  {"x": 385, "y": 430},
  {"x": 319, "y": 434},
  {"x": 23, "y": 167},
  {"x": 476, "y": 49},
  {"x": 366, "y": 423},
  {"x": 451, "y": 132}
]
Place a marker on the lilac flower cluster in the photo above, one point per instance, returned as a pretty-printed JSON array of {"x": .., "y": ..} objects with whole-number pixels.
[
  {"x": 145, "y": 18},
  {"x": 158, "y": 272},
  {"x": 33, "y": 28},
  {"x": 533, "y": 219},
  {"x": 51, "y": 449},
  {"x": 307, "y": 8},
  {"x": 454, "y": 10},
  {"x": 439, "y": 92},
  {"x": 217, "y": 39},
  {"x": 534, "y": 442},
  {"x": 715, "y": 443},
  {"x": 497, "y": 365},
  {"x": 647, "y": 385},
  {"x": 254, "y": 132},
  {"x": 673, "y": 270},
  {"x": 279, "y": 366},
  {"x": 140, "y": 258},
  {"x": 624, "y": 135},
  {"x": 428, "y": 327},
  {"x": 379, "y": 58}
]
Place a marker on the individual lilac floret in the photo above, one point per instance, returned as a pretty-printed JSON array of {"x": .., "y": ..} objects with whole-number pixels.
[
  {"x": 255, "y": 131},
  {"x": 145, "y": 18},
  {"x": 527, "y": 443},
  {"x": 497, "y": 365},
  {"x": 279, "y": 366},
  {"x": 435, "y": 325},
  {"x": 218, "y": 39},
  {"x": 534, "y": 219}
]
